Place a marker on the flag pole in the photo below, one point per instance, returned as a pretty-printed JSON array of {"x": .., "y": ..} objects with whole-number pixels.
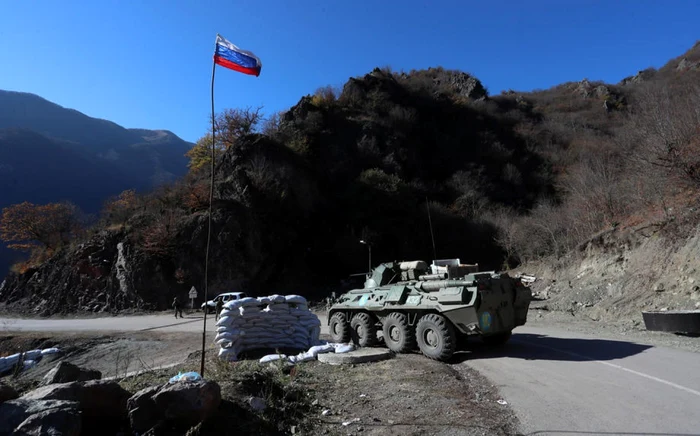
[{"x": 211, "y": 201}]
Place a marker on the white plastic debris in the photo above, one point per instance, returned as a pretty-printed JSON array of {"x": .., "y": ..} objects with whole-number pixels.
[
  {"x": 502, "y": 402},
  {"x": 326, "y": 412}
]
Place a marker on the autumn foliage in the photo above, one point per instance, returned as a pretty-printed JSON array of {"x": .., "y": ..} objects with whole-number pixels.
[{"x": 27, "y": 226}]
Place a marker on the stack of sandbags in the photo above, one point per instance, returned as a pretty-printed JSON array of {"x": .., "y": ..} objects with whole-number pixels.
[
  {"x": 29, "y": 359},
  {"x": 272, "y": 322}
]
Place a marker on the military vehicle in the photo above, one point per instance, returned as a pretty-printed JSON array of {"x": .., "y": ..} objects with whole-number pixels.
[{"x": 431, "y": 308}]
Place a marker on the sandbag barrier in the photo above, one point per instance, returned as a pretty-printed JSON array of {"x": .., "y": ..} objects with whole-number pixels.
[
  {"x": 29, "y": 359},
  {"x": 273, "y": 322}
]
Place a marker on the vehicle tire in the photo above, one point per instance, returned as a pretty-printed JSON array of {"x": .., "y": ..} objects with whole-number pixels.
[
  {"x": 498, "y": 340},
  {"x": 339, "y": 328},
  {"x": 399, "y": 337},
  {"x": 436, "y": 337},
  {"x": 363, "y": 330}
]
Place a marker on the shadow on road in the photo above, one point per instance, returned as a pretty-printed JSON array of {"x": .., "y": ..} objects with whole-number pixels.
[{"x": 542, "y": 347}]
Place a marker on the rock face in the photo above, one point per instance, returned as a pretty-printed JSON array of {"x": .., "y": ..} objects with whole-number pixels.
[
  {"x": 462, "y": 83},
  {"x": 98, "y": 399},
  {"x": 182, "y": 403},
  {"x": 40, "y": 417},
  {"x": 7, "y": 393},
  {"x": 66, "y": 372}
]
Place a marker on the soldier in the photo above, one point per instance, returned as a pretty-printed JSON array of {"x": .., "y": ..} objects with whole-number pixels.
[
  {"x": 178, "y": 307},
  {"x": 219, "y": 307}
]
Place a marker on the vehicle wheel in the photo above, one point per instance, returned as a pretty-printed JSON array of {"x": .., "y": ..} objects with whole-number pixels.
[
  {"x": 499, "y": 339},
  {"x": 363, "y": 330},
  {"x": 339, "y": 328},
  {"x": 436, "y": 337},
  {"x": 398, "y": 335}
]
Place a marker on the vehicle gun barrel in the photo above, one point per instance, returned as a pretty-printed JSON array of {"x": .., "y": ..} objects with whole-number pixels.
[{"x": 439, "y": 284}]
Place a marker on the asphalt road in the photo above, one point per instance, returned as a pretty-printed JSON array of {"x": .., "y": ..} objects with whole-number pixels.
[{"x": 558, "y": 383}]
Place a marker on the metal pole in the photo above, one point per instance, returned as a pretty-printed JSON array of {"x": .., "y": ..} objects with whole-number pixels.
[
  {"x": 211, "y": 200},
  {"x": 370, "y": 257}
]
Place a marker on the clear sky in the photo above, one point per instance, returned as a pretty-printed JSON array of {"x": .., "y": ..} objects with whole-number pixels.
[{"x": 147, "y": 63}]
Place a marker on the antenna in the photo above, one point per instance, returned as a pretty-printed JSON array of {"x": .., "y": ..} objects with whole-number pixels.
[{"x": 430, "y": 222}]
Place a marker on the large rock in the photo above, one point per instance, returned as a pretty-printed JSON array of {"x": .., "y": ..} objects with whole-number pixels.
[
  {"x": 184, "y": 403},
  {"x": 7, "y": 393},
  {"x": 97, "y": 398},
  {"x": 66, "y": 372},
  {"x": 40, "y": 417},
  {"x": 143, "y": 413}
]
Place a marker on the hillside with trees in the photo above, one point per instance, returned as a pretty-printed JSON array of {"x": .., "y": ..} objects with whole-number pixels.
[
  {"x": 509, "y": 180},
  {"x": 50, "y": 154}
]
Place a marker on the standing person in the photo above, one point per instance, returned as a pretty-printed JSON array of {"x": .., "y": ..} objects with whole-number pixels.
[
  {"x": 178, "y": 307},
  {"x": 219, "y": 307}
]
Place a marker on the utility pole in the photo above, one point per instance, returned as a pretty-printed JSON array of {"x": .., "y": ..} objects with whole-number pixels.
[{"x": 369, "y": 248}]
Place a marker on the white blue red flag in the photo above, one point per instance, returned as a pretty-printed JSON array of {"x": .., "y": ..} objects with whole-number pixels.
[{"x": 229, "y": 56}]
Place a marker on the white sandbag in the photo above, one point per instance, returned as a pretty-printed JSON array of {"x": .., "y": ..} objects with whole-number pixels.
[
  {"x": 272, "y": 358},
  {"x": 227, "y": 312},
  {"x": 53, "y": 350},
  {"x": 228, "y": 343},
  {"x": 229, "y": 354},
  {"x": 295, "y": 299},
  {"x": 232, "y": 305},
  {"x": 249, "y": 302},
  {"x": 229, "y": 335},
  {"x": 343, "y": 348},
  {"x": 278, "y": 307},
  {"x": 250, "y": 310},
  {"x": 222, "y": 328},
  {"x": 315, "y": 334},
  {"x": 320, "y": 349},
  {"x": 304, "y": 357},
  {"x": 224, "y": 321},
  {"x": 32, "y": 354},
  {"x": 277, "y": 298}
]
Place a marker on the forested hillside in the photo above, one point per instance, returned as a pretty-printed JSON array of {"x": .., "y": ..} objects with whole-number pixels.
[{"x": 509, "y": 178}]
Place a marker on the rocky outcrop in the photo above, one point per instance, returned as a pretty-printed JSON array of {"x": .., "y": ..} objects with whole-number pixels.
[
  {"x": 96, "y": 399},
  {"x": 183, "y": 404},
  {"x": 66, "y": 372},
  {"x": 641, "y": 76},
  {"x": 462, "y": 84},
  {"x": 40, "y": 417}
]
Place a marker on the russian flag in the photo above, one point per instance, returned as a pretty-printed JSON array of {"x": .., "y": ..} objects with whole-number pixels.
[{"x": 229, "y": 56}]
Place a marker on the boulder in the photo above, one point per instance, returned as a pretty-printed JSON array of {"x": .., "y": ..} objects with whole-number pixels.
[
  {"x": 103, "y": 399},
  {"x": 188, "y": 401},
  {"x": 66, "y": 372},
  {"x": 143, "y": 413},
  {"x": 7, "y": 393},
  {"x": 40, "y": 417},
  {"x": 183, "y": 403}
]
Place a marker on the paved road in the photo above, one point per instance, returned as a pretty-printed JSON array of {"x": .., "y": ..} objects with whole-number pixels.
[
  {"x": 558, "y": 383},
  {"x": 161, "y": 323}
]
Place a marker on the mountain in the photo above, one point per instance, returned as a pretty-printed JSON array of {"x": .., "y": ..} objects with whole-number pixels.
[
  {"x": 520, "y": 178},
  {"x": 49, "y": 153}
]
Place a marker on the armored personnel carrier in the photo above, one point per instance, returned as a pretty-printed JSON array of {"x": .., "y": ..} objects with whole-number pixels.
[{"x": 430, "y": 307}]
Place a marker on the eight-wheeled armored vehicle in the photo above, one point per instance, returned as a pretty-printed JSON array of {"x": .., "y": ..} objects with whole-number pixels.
[{"x": 430, "y": 307}]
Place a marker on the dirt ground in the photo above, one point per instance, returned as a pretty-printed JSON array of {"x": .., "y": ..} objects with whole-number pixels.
[{"x": 405, "y": 395}]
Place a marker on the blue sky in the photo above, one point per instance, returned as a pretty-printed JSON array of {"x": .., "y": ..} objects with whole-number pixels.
[{"x": 148, "y": 63}]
